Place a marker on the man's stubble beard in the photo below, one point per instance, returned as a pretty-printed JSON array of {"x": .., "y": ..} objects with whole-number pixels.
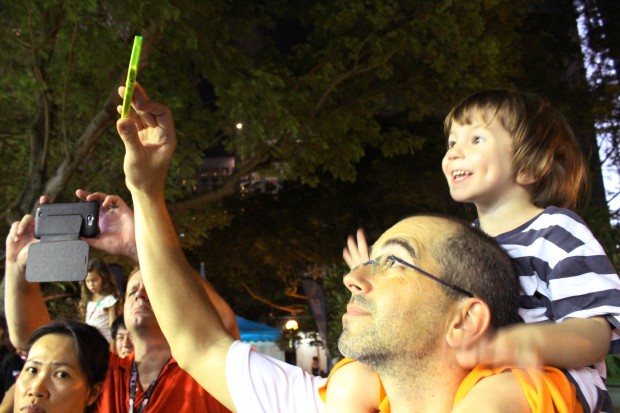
[{"x": 387, "y": 349}]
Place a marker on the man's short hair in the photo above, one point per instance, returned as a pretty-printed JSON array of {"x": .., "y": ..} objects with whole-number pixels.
[
  {"x": 475, "y": 262},
  {"x": 116, "y": 324}
]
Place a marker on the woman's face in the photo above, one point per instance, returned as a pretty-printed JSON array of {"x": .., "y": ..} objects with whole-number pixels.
[{"x": 52, "y": 380}]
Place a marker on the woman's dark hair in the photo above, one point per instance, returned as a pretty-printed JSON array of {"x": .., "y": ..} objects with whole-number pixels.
[{"x": 93, "y": 350}]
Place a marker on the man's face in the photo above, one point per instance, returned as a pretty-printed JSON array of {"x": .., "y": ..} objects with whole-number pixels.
[
  {"x": 138, "y": 311},
  {"x": 397, "y": 313},
  {"x": 123, "y": 342}
]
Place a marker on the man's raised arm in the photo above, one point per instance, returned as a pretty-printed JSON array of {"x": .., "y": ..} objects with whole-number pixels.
[
  {"x": 187, "y": 317},
  {"x": 24, "y": 305}
]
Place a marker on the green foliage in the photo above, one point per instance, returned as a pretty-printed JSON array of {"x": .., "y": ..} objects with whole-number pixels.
[
  {"x": 62, "y": 300},
  {"x": 311, "y": 83},
  {"x": 272, "y": 242},
  {"x": 346, "y": 96},
  {"x": 337, "y": 300},
  {"x": 613, "y": 370}
]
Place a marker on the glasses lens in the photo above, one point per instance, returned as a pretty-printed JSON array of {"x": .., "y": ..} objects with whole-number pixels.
[{"x": 380, "y": 264}]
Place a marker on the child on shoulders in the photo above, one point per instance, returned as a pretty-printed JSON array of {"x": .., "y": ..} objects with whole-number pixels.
[{"x": 517, "y": 160}]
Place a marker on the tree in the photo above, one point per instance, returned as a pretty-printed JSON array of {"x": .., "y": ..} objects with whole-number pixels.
[
  {"x": 275, "y": 241},
  {"x": 310, "y": 83},
  {"x": 272, "y": 242}
]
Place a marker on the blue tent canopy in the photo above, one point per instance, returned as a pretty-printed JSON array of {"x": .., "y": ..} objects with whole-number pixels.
[{"x": 253, "y": 331}]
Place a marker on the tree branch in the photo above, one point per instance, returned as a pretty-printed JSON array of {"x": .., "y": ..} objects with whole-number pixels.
[
  {"x": 228, "y": 188},
  {"x": 293, "y": 309}
]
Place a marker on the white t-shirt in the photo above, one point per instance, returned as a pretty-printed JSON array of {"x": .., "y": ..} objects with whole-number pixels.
[
  {"x": 259, "y": 383},
  {"x": 97, "y": 316}
]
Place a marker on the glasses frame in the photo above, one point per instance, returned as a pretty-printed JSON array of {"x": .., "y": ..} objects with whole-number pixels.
[{"x": 375, "y": 265}]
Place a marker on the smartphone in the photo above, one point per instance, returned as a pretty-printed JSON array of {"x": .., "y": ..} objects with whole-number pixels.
[
  {"x": 132, "y": 74},
  {"x": 73, "y": 220}
]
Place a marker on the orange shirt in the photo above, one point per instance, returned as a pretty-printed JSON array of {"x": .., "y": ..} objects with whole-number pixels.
[
  {"x": 547, "y": 390},
  {"x": 175, "y": 391}
]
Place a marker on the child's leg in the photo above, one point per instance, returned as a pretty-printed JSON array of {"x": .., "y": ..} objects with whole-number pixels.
[{"x": 353, "y": 388}]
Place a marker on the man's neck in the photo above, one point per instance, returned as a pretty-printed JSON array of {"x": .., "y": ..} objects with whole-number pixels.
[
  {"x": 423, "y": 390},
  {"x": 151, "y": 354}
]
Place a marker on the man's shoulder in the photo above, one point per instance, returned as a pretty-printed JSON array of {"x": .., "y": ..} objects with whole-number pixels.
[{"x": 118, "y": 363}]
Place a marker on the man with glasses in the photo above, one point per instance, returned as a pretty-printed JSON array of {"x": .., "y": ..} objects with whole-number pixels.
[{"x": 433, "y": 290}]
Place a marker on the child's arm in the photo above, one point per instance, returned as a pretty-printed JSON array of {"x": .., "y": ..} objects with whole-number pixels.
[
  {"x": 353, "y": 388},
  {"x": 572, "y": 343},
  {"x": 112, "y": 314}
]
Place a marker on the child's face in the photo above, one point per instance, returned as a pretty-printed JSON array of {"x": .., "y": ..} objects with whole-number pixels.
[
  {"x": 478, "y": 163},
  {"x": 93, "y": 282}
]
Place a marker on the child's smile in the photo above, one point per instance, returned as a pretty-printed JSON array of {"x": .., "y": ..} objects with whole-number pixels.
[{"x": 478, "y": 162}]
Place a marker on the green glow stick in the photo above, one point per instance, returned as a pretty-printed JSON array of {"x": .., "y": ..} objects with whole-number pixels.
[{"x": 132, "y": 73}]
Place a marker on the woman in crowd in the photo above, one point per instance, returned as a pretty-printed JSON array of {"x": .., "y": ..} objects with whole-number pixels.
[{"x": 65, "y": 369}]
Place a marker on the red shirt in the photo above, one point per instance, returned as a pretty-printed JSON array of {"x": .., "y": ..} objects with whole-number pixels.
[{"x": 175, "y": 391}]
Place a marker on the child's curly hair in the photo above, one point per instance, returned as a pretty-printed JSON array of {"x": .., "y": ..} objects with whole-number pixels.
[{"x": 107, "y": 287}]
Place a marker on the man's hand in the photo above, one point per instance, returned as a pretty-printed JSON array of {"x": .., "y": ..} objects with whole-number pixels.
[
  {"x": 19, "y": 239},
  {"x": 150, "y": 139},
  {"x": 117, "y": 230},
  {"x": 356, "y": 253}
]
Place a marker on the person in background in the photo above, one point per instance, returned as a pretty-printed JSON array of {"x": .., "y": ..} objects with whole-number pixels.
[
  {"x": 98, "y": 300},
  {"x": 65, "y": 369},
  {"x": 150, "y": 376},
  {"x": 11, "y": 359},
  {"x": 315, "y": 366},
  {"x": 123, "y": 346}
]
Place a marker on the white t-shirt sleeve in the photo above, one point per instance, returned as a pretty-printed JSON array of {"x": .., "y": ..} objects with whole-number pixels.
[
  {"x": 259, "y": 383},
  {"x": 108, "y": 301}
]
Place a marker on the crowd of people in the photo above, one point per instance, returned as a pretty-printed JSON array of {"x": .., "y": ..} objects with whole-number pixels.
[{"x": 513, "y": 313}]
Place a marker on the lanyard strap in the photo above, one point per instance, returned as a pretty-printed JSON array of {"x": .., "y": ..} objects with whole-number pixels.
[{"x": 133, "y": 384}]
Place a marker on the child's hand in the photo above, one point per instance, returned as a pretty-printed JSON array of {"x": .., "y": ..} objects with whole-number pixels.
[
  {"x": 517, "y": 345},
  {"x": 356, "y": 253}
]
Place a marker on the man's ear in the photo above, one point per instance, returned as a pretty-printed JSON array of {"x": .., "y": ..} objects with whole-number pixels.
[
  {"x": 468, "y": 330},
  {"x": 470, "y": 321}
]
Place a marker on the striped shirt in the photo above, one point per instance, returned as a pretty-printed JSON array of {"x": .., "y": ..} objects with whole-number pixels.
[{"x": 565, "y": 273}]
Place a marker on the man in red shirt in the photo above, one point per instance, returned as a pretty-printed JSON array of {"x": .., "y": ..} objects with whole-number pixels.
[{"x": 149, "y": 377}]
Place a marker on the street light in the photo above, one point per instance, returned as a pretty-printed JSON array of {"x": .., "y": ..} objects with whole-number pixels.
[{"x": 291, "y": 326}]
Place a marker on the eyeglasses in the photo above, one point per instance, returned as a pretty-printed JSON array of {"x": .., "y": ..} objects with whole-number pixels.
[{"x": 384, "y": 262}]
